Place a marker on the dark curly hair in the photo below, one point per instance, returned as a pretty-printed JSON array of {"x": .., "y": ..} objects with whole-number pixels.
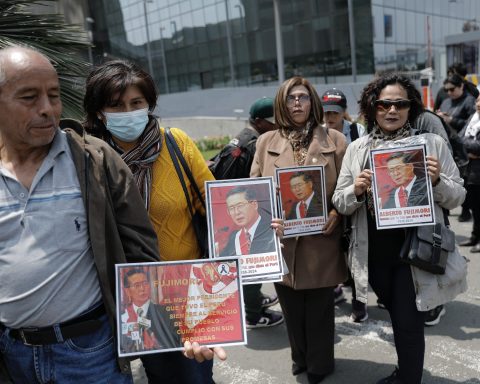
[
  {"x": 108, "y": 81},
  {"x": 371, "y": 93}
]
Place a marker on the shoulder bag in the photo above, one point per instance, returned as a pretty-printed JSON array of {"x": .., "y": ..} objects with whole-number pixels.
[
  {"x": 199, "y": 220},
  {"x": 427, "y": 247}
]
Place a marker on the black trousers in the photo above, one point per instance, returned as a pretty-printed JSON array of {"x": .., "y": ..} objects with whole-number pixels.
[
  {"x": 174, "y": 368},
  {"x": 253, "y": 297},
  {"x": 393, "y": 284},
  {"x": 309, "y": 316},
  {"x": 473, "y": 202}
]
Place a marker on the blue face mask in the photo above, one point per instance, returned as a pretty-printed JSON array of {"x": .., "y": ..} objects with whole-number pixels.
[{"x": 127, "y": 126}]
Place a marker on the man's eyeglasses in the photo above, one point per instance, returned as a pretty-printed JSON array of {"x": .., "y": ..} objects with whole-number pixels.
[
  {"x": 302, "y": 99},
  {"x": 385, "y": 104},
  {"x": 237, "y": 207},
  {"x": 449, "y": 89},
  {"x": 141, "y": 284},
  {"x": 297, "y": 186}
]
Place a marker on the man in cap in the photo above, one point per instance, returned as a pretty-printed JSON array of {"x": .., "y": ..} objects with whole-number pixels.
[
  {"x": 234, "y": 162},
  {"x": 334, "y": 105}
]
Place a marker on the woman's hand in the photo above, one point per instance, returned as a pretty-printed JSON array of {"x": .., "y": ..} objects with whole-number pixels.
[
  {"x": 433, "y": 168},
  {"x": 333, "y": 220},
  {"x": 445, "y": 116},
  {"x": 362, "y": 182},
  {"x": 202, "y": 353},
  {"x": 277, "y": 225}
]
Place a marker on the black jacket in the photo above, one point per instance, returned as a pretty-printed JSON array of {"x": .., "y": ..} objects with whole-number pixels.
[
  {"x": 472, "y": 146},
  {"x": 459, "y": 109}
]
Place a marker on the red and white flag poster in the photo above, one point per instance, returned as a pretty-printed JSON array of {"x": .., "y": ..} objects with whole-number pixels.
[{"x": 162, "y": 305}]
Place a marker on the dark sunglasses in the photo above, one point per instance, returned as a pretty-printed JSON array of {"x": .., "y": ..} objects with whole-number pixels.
[
  {"x": 449, "y": 89},
  {"x": 385, "y": 104}
]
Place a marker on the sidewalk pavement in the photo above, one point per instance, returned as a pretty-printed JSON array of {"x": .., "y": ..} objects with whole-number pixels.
[{"x": 365, "y": 352}]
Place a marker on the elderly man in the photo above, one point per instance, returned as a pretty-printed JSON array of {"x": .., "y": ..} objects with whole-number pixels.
[{"x": 69, "y": 210}]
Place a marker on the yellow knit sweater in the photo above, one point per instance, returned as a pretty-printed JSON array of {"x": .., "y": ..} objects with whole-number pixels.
[{"x": 168, "y": 206}]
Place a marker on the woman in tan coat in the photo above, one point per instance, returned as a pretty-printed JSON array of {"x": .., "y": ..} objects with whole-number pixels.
[{"x": 315, "y": 262}]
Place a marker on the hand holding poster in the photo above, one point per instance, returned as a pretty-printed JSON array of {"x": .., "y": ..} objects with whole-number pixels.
[
  {"x": 401, "y": 187},
  {"x": 302, "y": 199},
  {"x": 239, "y": 216},
  {"x": 162, "y": 305}
]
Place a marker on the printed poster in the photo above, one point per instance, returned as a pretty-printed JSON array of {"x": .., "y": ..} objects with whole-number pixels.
[
  {"x": 239, "y": 216},
  {"x": 162, "y": 305},
  {"x": 401, "y": 187},
  {"x": 302, "y": 199}
]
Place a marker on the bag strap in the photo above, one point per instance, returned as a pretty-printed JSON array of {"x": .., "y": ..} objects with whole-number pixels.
[
  {"x": 171, "y": 151},
  {"x": 185, "y": 166}
]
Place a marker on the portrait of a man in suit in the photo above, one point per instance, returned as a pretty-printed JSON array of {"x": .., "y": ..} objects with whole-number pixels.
[
  {"x": 309, "y": 203},
  {"x": 410, "y": 185},
  {"x": 150, "y": 325},
  {"x": 254, "y": 234}
]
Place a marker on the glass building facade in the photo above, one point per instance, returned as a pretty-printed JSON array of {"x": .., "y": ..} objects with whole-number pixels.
[
  {"x": 410, "y": 34},
  {"x": 201, "y": 44}
]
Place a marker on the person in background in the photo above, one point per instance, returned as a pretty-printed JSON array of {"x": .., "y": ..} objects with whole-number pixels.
[
  {"x": 315, "y": 262},
  {"x": 234, "y": 162},
  {"x": 57, "y": 297},
  {"x": 455, "y": 111},
  {"x": 461, "y": 70},
  {"x": 119, "y": 100},
  {"x": 390, "y": 104},
  {"x": 471, "y": 139},
  {"x": 334, "y": 105}
]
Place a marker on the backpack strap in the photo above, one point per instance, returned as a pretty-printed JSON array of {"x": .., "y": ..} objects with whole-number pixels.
[{"x": 354, "y": 131}]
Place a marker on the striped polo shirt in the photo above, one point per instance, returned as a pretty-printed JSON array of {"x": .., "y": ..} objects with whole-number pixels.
[{"x": 47, "y": 272}]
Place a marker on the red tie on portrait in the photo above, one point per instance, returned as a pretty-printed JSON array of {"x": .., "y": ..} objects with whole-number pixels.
[
  {"x": 303, "y": 209},
  {"x": 245, "y": 242},
  {"x": 403, "y": 197}
]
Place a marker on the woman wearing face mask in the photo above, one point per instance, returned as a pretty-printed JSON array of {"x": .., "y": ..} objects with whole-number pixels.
[
  {"x": 390, "y": 104},
  {"x": 315, "y": 262},
  {"x": 118, "y": 102}
]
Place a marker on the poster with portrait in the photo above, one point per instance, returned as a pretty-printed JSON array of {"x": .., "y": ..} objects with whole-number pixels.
[
  {"x": 302, "y": 199},
  {"x": 239, "y": 216},
  {"x": 401, "y": 187},
  {"x": 162, "y": 305}
]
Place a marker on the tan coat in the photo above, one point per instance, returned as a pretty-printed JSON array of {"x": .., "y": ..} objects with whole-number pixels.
[{"x": 314, "y": 261}]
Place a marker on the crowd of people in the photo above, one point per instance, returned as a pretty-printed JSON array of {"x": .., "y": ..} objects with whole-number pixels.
[{"x": 115, "y": 191}]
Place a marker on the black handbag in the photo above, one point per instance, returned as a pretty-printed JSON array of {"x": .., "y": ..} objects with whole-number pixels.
[
  {"x": 199, "y": 220},
  {"x": 427, "y": 247}
]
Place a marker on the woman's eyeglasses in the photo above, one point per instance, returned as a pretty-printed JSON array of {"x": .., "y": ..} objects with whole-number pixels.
[
  {"x": 385, "y": 105},
  {"x": 449, "y": 89},
  {"x": 302, "y": 99}
]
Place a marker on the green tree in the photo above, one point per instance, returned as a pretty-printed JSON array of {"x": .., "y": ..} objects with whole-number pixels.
[{"x": 60, "y": 42}]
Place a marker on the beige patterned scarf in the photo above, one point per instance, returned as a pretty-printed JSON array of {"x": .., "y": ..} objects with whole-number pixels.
[{"x": 300, "y": 140}]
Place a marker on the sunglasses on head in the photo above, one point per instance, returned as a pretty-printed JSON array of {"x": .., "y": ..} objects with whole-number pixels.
[{"x": 385, "y": 104}]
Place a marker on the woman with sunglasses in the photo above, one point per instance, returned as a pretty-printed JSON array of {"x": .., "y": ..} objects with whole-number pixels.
[
  {"x": 457, "y": 108},
  {"x": 316, "y": 263},
  {"x": 390, "y": 104}
]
